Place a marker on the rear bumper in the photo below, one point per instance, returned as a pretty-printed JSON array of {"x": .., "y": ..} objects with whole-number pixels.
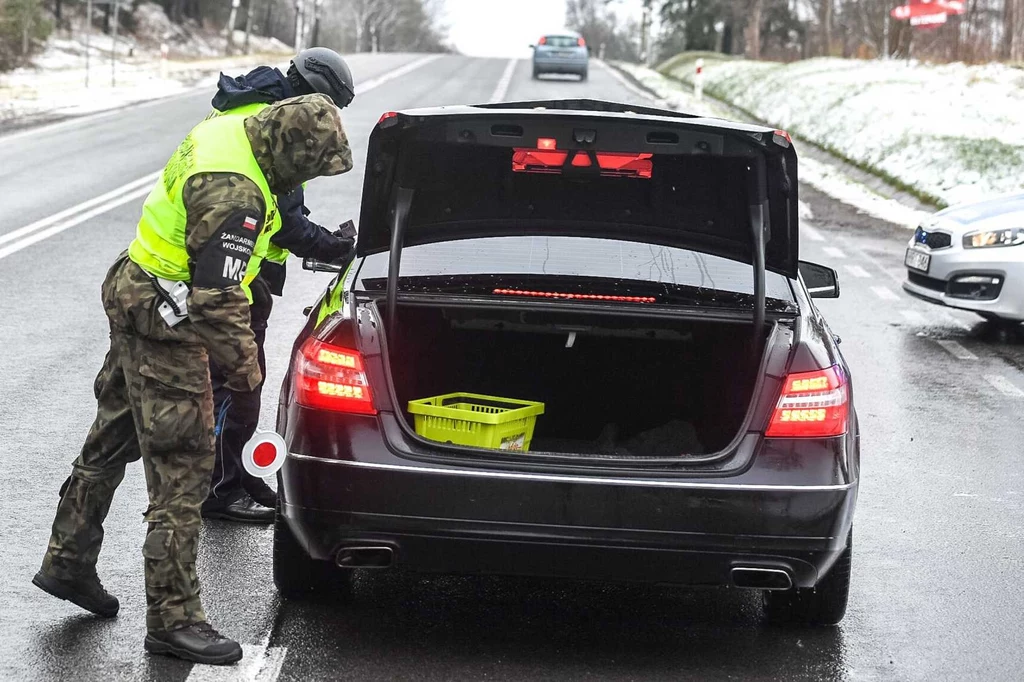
[
  {"x": 560, "y": 65},
  {"x": 487, "y": 522}
]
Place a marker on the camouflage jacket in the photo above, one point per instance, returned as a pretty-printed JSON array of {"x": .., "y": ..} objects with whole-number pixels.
[{"x": 294, "y": 140}]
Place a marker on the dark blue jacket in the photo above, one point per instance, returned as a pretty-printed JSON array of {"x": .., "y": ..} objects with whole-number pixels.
[{"x": 298, "y": 233}]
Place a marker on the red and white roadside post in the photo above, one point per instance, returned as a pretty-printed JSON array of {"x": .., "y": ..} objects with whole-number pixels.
[
  {"x": 264, "y": 454},
  {"x": 163, "y": 60},
  {"x": 698, "y": 80}
]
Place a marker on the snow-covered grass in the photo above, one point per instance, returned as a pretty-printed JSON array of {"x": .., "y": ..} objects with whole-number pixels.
[
  {"x": 55, "y": 84},
  {"x": 949, "y": 133},
  {"x": 824, "y": 177}
]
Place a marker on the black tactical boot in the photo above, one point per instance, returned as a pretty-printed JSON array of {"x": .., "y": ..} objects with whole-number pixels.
[
  {"x": 243, "y": 510},
  {"x": 85, "y": 592},
  {"x": 198, "y": 643},
  {"x": 261, "y": 492}
]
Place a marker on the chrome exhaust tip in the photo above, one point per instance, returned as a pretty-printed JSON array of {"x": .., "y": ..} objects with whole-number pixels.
[
  {"x": 365, "y": 557},
  {"x": 760, "y": 578}
]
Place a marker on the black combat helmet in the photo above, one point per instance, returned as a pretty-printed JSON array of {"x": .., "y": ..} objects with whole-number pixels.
[{"x": 322, "y": 70}]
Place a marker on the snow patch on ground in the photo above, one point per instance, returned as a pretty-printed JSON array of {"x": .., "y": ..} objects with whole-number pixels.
[
  {"x": 954, "y": 132},
  {"x": 55, "y": 85},
  {"x": 821, "y": 176}
]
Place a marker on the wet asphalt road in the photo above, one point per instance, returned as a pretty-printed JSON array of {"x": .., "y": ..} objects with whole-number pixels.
[{"x": 939, "y": 532}]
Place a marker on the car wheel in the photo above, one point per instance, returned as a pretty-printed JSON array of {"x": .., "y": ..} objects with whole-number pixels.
[
  {"x": 299, "y": 576},
  {"x": 823, "y": 604},
  {"x": 536, "y": 74},
  {"x": 583, "y": 76}
]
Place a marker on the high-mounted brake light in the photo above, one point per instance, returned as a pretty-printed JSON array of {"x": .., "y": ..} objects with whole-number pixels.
[
  {"x": 579, "y": 297},
  {"x": 332, "y": 378},
  {"x": 547, "y": 159},
  {"x": 812, "y": 405}
]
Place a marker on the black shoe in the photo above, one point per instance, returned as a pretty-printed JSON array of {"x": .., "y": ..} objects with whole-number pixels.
[
  {"x": 85, "y": 592},
  {"x": 261, "y": 492},
  {"x": 198, "y": 643},
  {"x": 244, "y": 510}
]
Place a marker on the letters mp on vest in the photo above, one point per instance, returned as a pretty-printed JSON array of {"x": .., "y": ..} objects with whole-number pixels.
[{"x": 224, "y": 260}]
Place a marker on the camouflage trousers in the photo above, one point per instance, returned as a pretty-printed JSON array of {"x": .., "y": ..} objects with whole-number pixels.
[{"x": 154, "y": 402}]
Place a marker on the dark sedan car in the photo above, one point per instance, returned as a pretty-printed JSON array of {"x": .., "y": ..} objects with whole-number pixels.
[{"x": 636, "y": 271}]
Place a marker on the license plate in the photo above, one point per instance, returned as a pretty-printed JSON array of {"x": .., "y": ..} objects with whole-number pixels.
[{"x": 917, "y": 260}]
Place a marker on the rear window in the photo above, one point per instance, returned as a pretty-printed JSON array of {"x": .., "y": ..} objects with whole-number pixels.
[
  {"x": 574, "y": 257},
  {"x": 560, "y": 41}
]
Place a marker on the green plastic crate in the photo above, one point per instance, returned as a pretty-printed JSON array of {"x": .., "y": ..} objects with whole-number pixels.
[{"x": 481, "y": 421}]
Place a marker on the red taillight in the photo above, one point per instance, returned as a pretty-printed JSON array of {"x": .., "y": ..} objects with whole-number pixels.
[
  {"x": 547, "y": 143},
  {"x": 543, "y": 40},
  {"x": 581, "y": 42},
  {"x": 580, "y": 297},
  {"x": 332, "y": 378},
  {"x": 547, "y": 159},
  {"x": 782, "y": 138},
  {"x": 812, "y": 405},
  {"x": 387, "y": 118}
]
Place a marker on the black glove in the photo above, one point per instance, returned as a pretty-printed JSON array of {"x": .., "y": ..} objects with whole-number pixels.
[{"x": 332, "y": 247}]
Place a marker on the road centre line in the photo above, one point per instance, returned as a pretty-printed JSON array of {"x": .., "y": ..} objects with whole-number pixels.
[
  {"x": 885, "y": 294},
  {"x": 144, "y": 181},
  {"x": 504, "y": 82},
  {"x": 70, "y": 222},
  {"x": 858, "y": 271},
  {"x": 833, "y": 252},
  {"x": 1004, "y": 386},
  {"x": 28, "y": 235},
  {"x": 956, "y": 350},
  {"x": 260, "y": 663},
  {"x": 374, "y": 83}
]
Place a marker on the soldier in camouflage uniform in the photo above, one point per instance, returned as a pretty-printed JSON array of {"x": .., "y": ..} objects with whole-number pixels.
[{"x": 153, "y": 392}]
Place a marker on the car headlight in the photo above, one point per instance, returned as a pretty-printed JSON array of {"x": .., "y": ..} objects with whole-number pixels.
[{"x": 1008, "y": 237}]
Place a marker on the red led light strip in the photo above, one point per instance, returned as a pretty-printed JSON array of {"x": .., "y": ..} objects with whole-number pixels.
[{"x": 581, "y": 297}]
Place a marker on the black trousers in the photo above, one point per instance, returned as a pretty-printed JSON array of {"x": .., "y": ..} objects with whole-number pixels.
[{"x": 237, "y": 414}]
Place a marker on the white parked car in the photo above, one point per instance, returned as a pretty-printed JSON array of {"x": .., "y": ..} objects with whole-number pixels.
[{"x": 971, "y": 256}]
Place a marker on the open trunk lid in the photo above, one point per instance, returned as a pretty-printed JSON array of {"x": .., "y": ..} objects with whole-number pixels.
[{"x": 581, "y": 168}]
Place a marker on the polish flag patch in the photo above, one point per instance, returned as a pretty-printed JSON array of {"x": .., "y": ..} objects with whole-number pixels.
[{"x": 249, "y": 223}]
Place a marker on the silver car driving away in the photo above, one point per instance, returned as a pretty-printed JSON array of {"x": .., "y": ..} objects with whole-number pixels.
[
  {"x": 564, "y": 52},
  {"x": 971, "y": 256}
]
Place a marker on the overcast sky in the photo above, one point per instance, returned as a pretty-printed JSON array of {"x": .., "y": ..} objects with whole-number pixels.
[{"x": 506, "y": 28}]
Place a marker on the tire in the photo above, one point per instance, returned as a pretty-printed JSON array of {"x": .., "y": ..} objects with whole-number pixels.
[
  {"x": 583, "y": 76},
  {"x": 821, "y": 605},
  {"x": 536, "y": 74},
  {"x": 297, "y": 575}
]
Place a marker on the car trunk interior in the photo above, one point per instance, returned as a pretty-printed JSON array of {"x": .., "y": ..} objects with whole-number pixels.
[{"x": 612, "y": 386}]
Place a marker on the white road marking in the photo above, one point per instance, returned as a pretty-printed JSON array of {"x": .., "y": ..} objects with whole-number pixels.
[
  {"x": 75, "y": 210},
  {"x": 812, "y": 233},
  {"x": 28, "y": 235},
  {"x": 629, "y": 85},
  {"x": 913, "y": 317},
  {"x": 834, "y": 252},
  {"x": 501, "y": 89},
  {"x": 956, "y": 350},
  {"x": 804, "y": 211},
  {"x": 374, "y": 83},
  {"x": 964, "y": 495},
  {"x": 959, "y": 323},
  {"x": 1004, "y": 386},
  {"x": 858, "y": 271},
  {"x": 885, "y": 294},
  {"x": 259, "y": 663},
  {"x": 271, "y": 669},
  {"x": 64, "y": 220}
]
